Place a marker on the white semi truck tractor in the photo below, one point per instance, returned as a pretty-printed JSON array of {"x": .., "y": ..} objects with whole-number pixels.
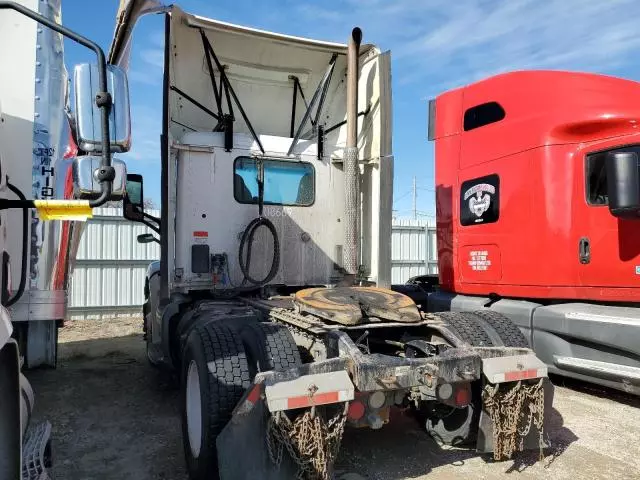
[
  {"x": 44, "y": 199},
  {"x": 271, "y": 300}
]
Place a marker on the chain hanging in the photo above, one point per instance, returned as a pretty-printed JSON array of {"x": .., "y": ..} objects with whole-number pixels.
[
  {"x": 312, "y": 442},
  {"x": 513, "y": 411}
]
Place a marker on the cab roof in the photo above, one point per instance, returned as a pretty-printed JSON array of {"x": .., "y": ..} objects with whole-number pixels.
[{"x": 553, "y": 106}]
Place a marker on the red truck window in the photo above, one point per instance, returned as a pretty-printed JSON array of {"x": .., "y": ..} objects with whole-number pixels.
[{"x": 483, "y": 114}]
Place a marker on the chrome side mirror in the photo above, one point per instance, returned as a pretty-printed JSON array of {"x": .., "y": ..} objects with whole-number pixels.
[
  {"x": 88, "y": 123},
  {"x": 86, "y": 185}
]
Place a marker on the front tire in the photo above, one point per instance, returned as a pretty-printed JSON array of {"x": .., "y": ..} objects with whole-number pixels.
[{"x": 214, "y": 376}]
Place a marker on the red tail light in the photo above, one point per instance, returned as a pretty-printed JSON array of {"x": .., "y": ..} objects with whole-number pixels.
[
  {"x": 356, "y": 410},
  {"x": 462, "y": 396}
]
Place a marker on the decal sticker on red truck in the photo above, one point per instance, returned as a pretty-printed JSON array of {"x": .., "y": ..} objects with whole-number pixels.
[{"x": 480, "y": 200}]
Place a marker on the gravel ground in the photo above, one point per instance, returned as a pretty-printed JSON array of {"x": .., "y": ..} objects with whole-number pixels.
[{"x": 114, "y": 417}]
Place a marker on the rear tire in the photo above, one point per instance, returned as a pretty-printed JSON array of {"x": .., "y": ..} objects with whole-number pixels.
[
  {"x": 269, "y": 346},
  {"x": 466, "y": 326},
  {"x": 214, "y": 376},
  {"x": 459, "y": 426},
  {"x": 509, "y": 333}
]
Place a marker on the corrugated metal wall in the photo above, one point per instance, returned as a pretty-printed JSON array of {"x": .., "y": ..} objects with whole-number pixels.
[
  {"x": 109, "y": 275},
  {"x": 413, "y": 249},
  {"x": 110, "y": 268}
]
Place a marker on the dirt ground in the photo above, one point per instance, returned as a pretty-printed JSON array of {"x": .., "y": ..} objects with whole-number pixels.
[{"x": 115, "y": 418}]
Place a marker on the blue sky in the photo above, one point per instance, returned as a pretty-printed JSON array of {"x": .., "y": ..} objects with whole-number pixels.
[{"x": 435, "y": 45}]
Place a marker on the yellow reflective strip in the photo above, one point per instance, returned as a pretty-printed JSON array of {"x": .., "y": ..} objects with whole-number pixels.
[{"x": 63, "y": 209}]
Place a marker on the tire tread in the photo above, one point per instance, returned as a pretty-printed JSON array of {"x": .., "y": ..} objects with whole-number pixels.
[
  {"x": 507, "y": 330},
  {"x": 278, "y": 350},
  {"x": 467, "y": 327},
  {"x": 229, "y": 369},
  {"x": 228, "y": 377}
]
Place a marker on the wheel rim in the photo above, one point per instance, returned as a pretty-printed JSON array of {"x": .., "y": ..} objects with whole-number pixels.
[
  {"x": 194, "y": 409},
  {"x": 455, "y": 418}
]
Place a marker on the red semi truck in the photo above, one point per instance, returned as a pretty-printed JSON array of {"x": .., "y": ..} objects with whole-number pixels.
[{"x": 538, "y": 215}]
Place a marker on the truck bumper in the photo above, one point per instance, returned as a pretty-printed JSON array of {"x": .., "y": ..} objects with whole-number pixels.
[{"x": 338, "y": 380}]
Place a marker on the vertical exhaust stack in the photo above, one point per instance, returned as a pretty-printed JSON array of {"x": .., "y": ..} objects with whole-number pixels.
[{"x": 351, "y": 168}]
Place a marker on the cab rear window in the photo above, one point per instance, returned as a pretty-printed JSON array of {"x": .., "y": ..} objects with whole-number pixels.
[{"x": 285, "y": 182}]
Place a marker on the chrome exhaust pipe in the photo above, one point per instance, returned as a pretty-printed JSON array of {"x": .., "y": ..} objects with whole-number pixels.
[{"x": 351, "y": 251}]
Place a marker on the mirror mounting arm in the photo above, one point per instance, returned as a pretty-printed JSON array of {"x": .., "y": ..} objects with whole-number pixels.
[
  {"x": 151, "y": 217},
  {"x": 106, "y": 173},
  {"x": 153, "y": 227}
]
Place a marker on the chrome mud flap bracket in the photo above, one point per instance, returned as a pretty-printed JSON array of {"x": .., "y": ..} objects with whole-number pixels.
[{"x": 502, "y": 370}]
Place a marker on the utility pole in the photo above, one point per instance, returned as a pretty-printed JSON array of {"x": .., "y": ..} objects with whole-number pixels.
[{"x": 415, "y": 195}]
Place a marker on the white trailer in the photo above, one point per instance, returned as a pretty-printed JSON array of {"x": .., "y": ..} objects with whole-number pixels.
[
  {"x": 16, "y": 395},
  {"x": 37, "y": 186},
  {"x": 33, "y": 84},
  {"x": 43, "y": 161}
]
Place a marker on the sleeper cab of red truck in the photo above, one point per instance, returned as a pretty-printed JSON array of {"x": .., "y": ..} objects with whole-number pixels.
[{"x": 537, "y": 187}]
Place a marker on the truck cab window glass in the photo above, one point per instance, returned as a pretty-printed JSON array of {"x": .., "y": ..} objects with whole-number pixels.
[
  {"x": 483, "y": 114},
  {"x": 597, "y": 179},
  {"x": 285, "y": 183}
]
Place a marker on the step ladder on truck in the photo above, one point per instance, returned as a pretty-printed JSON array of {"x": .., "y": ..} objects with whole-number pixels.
[
  {"x": 98, "y": 126},
  {"x": 271, "y": 299}
]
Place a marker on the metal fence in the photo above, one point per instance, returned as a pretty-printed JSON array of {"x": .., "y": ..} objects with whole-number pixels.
[
  {"x": 110, "y": 268},
  {"x": 111, "y": 265},
  {"x": 413, "y": 249}
]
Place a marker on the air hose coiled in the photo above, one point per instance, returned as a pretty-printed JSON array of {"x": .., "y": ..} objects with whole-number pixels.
[
  {"x": 246, "y": 243},
  {"x": 244, "y": 258}
]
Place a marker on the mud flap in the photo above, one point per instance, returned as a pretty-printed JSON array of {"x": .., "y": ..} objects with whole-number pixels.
[
  {"x": 242, "y": 445},
  {"x": 531, "y": 441}
]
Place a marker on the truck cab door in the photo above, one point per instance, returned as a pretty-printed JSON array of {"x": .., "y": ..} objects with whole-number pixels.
[{"x": 606, "y": 247}]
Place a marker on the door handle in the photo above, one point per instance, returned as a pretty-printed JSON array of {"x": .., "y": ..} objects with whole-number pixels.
[{"x": 584, "y": 250}]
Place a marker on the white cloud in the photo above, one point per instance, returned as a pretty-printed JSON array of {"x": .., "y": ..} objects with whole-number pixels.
[
  {"x": 145, "y": 77},
  {"x": 148, "y": 59},
  {"x": 145, "y": 127},
  {"x": 445, "y": 43},
  {"x": 153, "y": 57}
]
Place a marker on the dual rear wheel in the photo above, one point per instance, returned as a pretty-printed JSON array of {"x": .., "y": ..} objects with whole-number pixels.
[
  {"x": 218, "y": 366},
  {"x": 483, "y": 328}
]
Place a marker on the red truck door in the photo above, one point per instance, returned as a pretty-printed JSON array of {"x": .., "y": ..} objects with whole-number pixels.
[{"x": 607, "y": 248}]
